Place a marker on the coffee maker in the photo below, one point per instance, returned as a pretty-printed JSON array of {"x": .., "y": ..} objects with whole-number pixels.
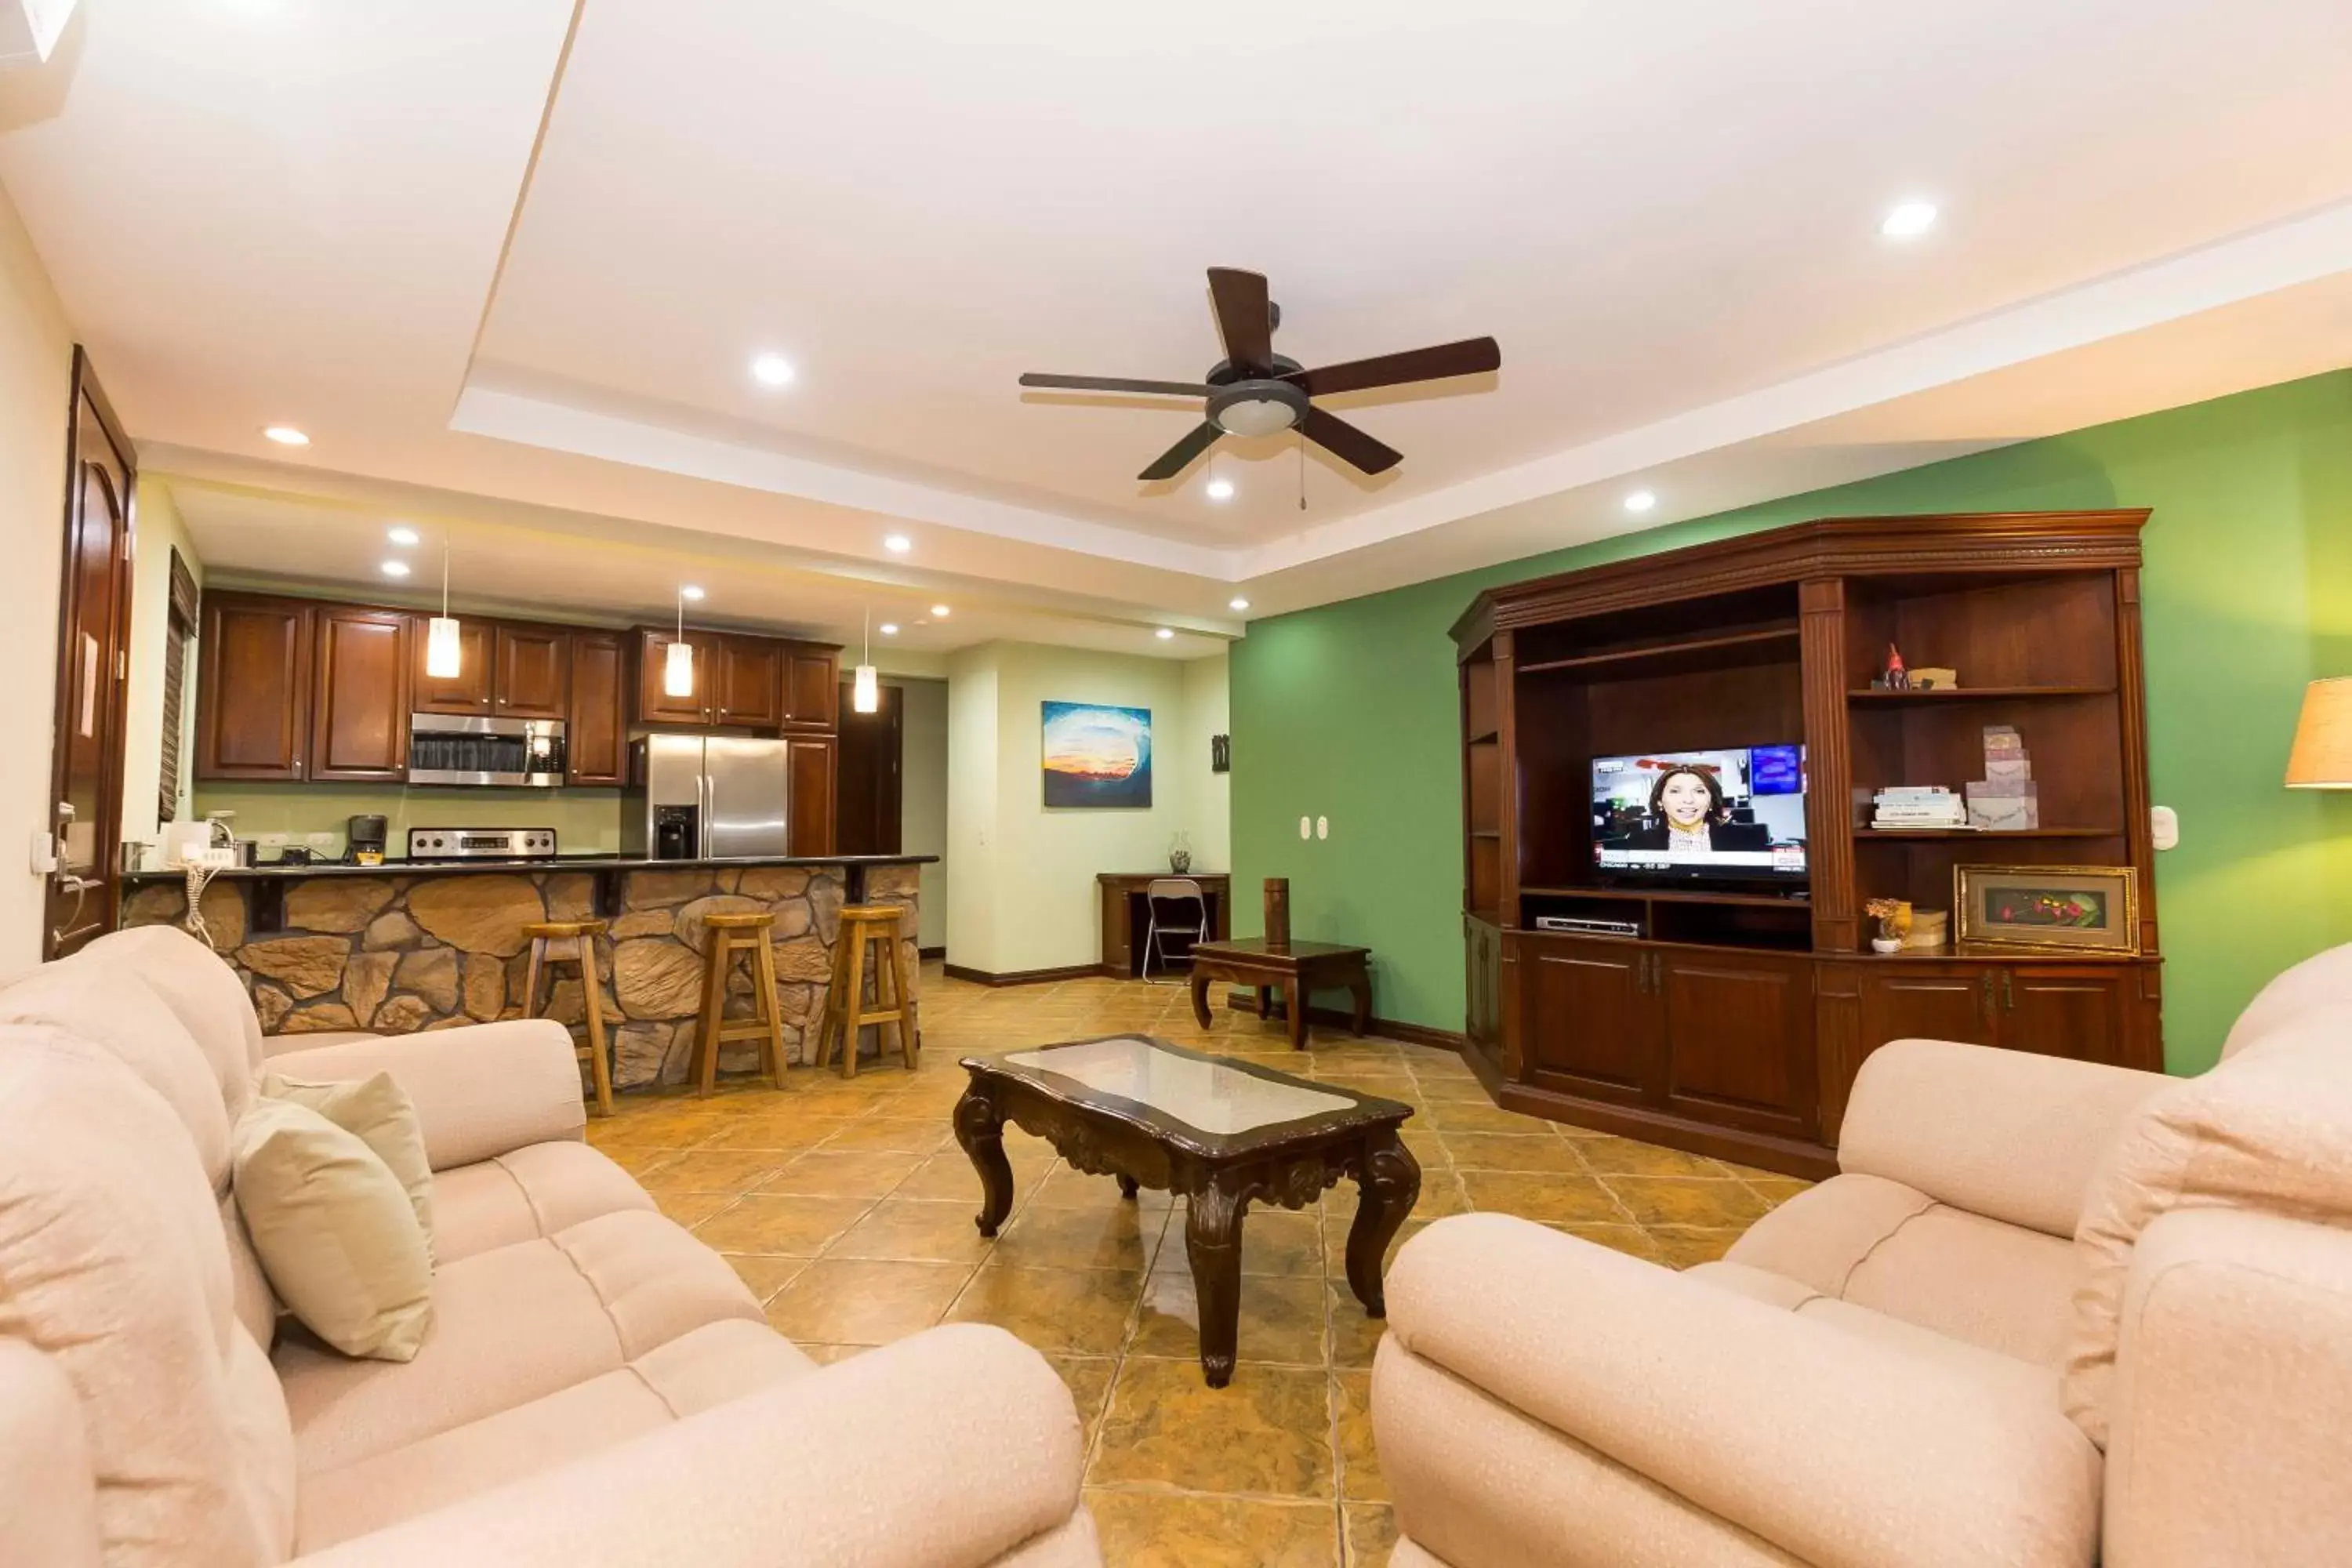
[{"x": 363, "y": 840}]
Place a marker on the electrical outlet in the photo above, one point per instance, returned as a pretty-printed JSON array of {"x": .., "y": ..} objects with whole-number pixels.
[
  {"x": 320, "y": 840},
  {"x": 272, "y": 841},
  {"x": 1322, "y": 828},
  {"x": 1305, "y": 827}
]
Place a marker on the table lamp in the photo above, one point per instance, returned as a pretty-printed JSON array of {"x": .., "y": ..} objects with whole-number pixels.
[{"x": 2322, "y": 756}]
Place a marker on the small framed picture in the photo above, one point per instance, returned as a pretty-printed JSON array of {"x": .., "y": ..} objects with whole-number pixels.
[{"x": 2047, "y": 909}]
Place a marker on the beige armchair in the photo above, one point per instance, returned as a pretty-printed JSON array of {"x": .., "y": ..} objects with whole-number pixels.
[{"x": 2049, "y": 1313}]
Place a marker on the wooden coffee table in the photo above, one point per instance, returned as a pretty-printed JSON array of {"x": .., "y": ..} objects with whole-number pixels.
[
  {"x": 1294, "y": 968},
  {"x": 1223, "y": 1134}
]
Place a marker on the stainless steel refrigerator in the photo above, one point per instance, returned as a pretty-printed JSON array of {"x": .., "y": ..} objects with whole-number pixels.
[{"x": 707, "y": 797}]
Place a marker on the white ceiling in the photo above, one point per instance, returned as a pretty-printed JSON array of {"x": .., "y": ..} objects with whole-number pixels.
[{"x": 510, "y": 271}]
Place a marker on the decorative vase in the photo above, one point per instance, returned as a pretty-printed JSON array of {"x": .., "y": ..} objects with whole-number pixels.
[{"x": 1179, "y": 854}]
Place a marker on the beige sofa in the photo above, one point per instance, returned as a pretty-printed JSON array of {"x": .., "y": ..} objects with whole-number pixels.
[
  {"x": 599, "y": 1388},
  {"x": 2049, "y": 1312}
]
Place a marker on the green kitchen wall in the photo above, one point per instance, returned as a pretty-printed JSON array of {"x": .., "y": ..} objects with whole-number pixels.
[{"x": 1349, "y": 711}]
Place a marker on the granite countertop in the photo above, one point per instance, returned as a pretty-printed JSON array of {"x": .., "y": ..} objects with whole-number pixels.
[{"x": 547, "y": 863}]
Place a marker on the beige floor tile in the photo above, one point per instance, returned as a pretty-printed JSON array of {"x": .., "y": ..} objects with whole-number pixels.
[
  {"x": 1267, "y": 1433},
  {"x": 1114, "y": 1236},
  {"x": 1274, "y": 1241},
  {"x": 713, "y": 1170},
  {"x": 1479, "y": 1116},
  {"x": 1089, "y": 1379},
  {"x": 1680, "y": 1247},
  {"x": 1354, "y": 1335},
  {"x": 891, "y": 1134},
  {"x": 1068, "y": 1311},
  {"x": 1505, "y": 1152},
  {"x": 1371, "y": 1533},
  {"x": 1624, "y": 1157},
  {"x": 1162, "y": 1529},
  {"x": 1339, "y": 1220},
  {"x": 765, "y": 1275},
  {"x": 1463, "y": 1088},
  {"x": 1282, "y": 1320},
  {"x": 1667, "y": 1200},
  {"x": 1630, "y": 1239},
  {"x": 1071, "y": 1188},
  {"x": 788, "y": 1227},
  {"x": 847, "y": 1302},
  {"x": 923, "y": 1230},
  {"x": 690, "y": 1209},
  {"x": 825, "y": 1355},
  {"x": 853, "y": 1176},
  {"x": 1773, "y": 1189},
  {"x": 1542, "y": 1198},
  {"x": 950, "y": 1173},
  {"x": 1351, "y": 1419}
]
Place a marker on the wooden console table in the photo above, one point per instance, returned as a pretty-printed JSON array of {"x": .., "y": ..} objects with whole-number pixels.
[
  {"x": 1294, "y": 968},
  {"x": 1125, "y": 919}
]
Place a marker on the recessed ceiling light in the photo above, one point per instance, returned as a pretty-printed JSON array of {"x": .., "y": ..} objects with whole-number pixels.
[
  {"x": 941, "y": 612},
  {"x": 1163, "y": 634},
  {"x": 396, "y": 568},
  {"x": 888, "y": 628},
  {"x": 286, "y": 435},
  {"x": 772, "y": 370},
  {"x": 1237, "y": 602},
  {"x": 1909, "y": 220},
  {"x": 1640, "y": 501},
  {"x": 1220, "y": 489},
  {"x": 898, "y": 543},
  {"x": 690, "y": 592},
  {"x": 401, "y": 535}
]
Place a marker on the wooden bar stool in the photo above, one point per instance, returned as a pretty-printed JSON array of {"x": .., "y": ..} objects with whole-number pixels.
[
  {"x": 554, "y": 942},
  {"x": 731, "y": 934},
  {"x": 846, "y": 1011}
]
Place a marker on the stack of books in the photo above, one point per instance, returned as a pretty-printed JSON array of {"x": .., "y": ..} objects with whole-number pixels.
[
  {"x": 2004, "y": 800},
  {"x": 1917, "y": 805}
]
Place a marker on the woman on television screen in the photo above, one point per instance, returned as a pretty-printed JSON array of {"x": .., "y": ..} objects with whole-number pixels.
[{"x": 1689, "y": 815}]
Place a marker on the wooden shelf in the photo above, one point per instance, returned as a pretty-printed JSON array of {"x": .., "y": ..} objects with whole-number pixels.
[
  {"x": 1671, "y": 896},
  {"x": 1862, "y": 835},
  {"x": 1974, "y": 693},
  {"x": 1676, "y": 652},
  {"x": 1486, "y": 833}
]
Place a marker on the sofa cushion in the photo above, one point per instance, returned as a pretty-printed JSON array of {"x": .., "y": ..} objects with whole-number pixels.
[
  {"x": 1878, "y": 1244},
  {"x": 202, "y": 990},
  {"x": 535, "y": 1191},
  {"x": 2268, "y": 1129},
  {"x": 702, "y": 1368},
  {"x": 378, "y": 1112},
  {"x": 2324, "y": 979},
  {"x": 512, "y": 1325},
  {"x": 114, "y": 1263}
]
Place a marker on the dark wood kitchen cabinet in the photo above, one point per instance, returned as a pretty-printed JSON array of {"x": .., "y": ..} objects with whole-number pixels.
[
  {"x": 596, "y": 730},
  {"x": 534, "y": 672},
  {"x": 466, "y": 693},
  {"x": 812, "y": 687},
  {"x": 654, "y": 703},
  {"x": 751, "y": 681},
  {"x": 359, "y": 725},
  {"x": 810, "y": 763},
  {"x": 253, "y": 688}
]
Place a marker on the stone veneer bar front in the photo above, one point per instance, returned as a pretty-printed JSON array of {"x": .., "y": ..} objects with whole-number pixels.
[{"x": 402, "y": 948}]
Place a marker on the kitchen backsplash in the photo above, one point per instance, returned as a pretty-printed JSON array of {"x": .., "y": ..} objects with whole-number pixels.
[{"x": 586, "y": 821}]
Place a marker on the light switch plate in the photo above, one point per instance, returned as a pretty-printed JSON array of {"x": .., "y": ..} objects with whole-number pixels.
[
  {"x": 1322, "y": 828},
  {"x": 2164, "y": 827},
  {"x": 1305, "y": 827}
]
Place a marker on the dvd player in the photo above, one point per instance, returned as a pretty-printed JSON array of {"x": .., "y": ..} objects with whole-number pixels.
[{"x": 1585, "y": 925}]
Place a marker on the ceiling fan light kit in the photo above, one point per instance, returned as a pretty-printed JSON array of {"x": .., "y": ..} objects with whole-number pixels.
[{"x": 1253, "y": 390}]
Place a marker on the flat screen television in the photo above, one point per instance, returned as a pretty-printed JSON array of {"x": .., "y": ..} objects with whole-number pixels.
[{"x": 1734, "y": 813}]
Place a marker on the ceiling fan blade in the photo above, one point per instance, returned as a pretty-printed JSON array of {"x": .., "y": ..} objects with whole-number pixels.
[
  {"x": 1245, "y": 318},
  {"x": 1116, "y": 383},
  {"x": 1174, "y": 461},
  {"x": 1346, "y": 443},
  {"x": 1468, "y": 357}
]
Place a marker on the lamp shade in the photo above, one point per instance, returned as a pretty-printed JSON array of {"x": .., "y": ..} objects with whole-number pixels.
[
  {"x": 866, "y": 696},
  {"x": 2322, "y": 757},
  {"x": 677, "y": 671},
  {"x": 443, "y": 659}
]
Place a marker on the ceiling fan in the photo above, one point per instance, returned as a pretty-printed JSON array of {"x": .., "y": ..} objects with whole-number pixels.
[{"x": 1253, "y": 390}]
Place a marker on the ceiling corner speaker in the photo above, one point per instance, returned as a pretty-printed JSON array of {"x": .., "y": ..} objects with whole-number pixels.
[
  {"x": 1253, "y": 390},
  {"x": 29, "y": 30}
]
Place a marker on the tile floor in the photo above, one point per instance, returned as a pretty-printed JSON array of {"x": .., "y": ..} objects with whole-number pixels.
[{"x": 848, "y": 1208}]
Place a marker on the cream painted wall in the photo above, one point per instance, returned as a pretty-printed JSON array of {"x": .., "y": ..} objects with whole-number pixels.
[
  {"x": 161, "y": 532},
  {"x": 1208, "y": 796},
  {"x": 35, "y": 380},
  {"x": 1023, "y": 896},
  {"x": 923, "y": 796}
]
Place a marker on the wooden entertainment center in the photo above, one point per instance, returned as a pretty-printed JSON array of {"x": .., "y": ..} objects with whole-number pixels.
[{"x": 1735, "y": 1022}]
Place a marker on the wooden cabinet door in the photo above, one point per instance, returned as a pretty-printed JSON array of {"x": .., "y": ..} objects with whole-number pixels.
[
  {"x": 534, "y": 671},
  {"x": 752, "y": 682},
  {"x": 810, "y": 762},
  {"x": 360, "y": 726},
  {"x": 2065, "y": 1010},
  {"x": 467, "y": 693},
  {"x": 812, "y": 679},
  {"x": 596, "y": 725},
  {"x": 1908, "y": 998},
  {"x": 656, "y": 705},
  {"x": 1587, "y": 1024},
  {"x": 1739, "y": 1036},
  {"x": 253, "y": 688}
]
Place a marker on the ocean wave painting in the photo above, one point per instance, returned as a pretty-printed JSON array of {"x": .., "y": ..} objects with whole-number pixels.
[{"x": 1097, "y": 755}]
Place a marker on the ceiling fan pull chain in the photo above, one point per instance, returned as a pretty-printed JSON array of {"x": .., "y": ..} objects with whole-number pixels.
[{"x": 1302, "y": 471}]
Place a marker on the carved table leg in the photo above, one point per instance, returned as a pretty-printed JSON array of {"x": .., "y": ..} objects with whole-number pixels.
[
  {"x": 1201, "y": 995},
  {"x": 1386, "y": 1193},
  {"x": 1127, "y": 1188},
  {"x": 980, "y": 1131},
  {"x": 1212, "y": 1245},
  {"x": 1294, "y": 1002}
]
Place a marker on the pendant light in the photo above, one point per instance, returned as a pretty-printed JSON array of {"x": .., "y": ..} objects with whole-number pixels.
[
  {"x": 443, "y": 655},
  {"x": 866, "y": 696},
  {"x": 678, "y": 665}
]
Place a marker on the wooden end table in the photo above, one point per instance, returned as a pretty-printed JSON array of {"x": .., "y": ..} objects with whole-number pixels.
[
  {"x": 1222, "y": 1135},
  {"x": 1294, "y": 968}
]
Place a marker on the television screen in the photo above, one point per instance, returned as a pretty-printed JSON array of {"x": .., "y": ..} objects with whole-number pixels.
[{"x": 1735, "y": 814}]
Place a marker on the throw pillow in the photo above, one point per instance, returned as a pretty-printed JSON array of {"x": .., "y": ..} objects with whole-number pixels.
[{"x": 380, "y": 1111}]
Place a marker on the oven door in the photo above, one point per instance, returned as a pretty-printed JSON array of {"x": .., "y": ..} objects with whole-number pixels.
[{"x": 449, "y": 749}]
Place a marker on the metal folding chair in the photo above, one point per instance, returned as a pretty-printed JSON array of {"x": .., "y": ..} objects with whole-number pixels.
[{"x": 1183, "y": 899}]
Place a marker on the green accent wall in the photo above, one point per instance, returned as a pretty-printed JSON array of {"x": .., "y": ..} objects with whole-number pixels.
[{"x": 1349, "y": 711}]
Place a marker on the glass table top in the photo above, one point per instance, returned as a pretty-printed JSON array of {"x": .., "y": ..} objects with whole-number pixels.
[{"x": 1209, "y": 1095}]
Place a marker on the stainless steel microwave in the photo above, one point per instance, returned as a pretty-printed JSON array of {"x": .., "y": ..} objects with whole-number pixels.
[{"x": 450, "y": 749}]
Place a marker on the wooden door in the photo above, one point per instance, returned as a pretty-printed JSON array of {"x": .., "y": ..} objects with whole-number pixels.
[
  {"x": 2067, "y": 1010},
  {"x": 810, "y": 763},
  {"x": 596, "y": 725},
  {"x": 359, "y": 729},
  {"x": 253, "y": 688},
  {"x": 654, "y": 704},
  {"x": 534, "y": 672},
  {"x": 868, "y": 778},
  {"x": 85, "y": 810},
  {"x": 1738, "y": 1031},
  {"x": 1587, "y": 1024},
  {"x": 1908, "y": 998},
  {"x": 752, "y": 682},
  {"x": 812, "y": 687},
  {"x": 467, "y": 693}
]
